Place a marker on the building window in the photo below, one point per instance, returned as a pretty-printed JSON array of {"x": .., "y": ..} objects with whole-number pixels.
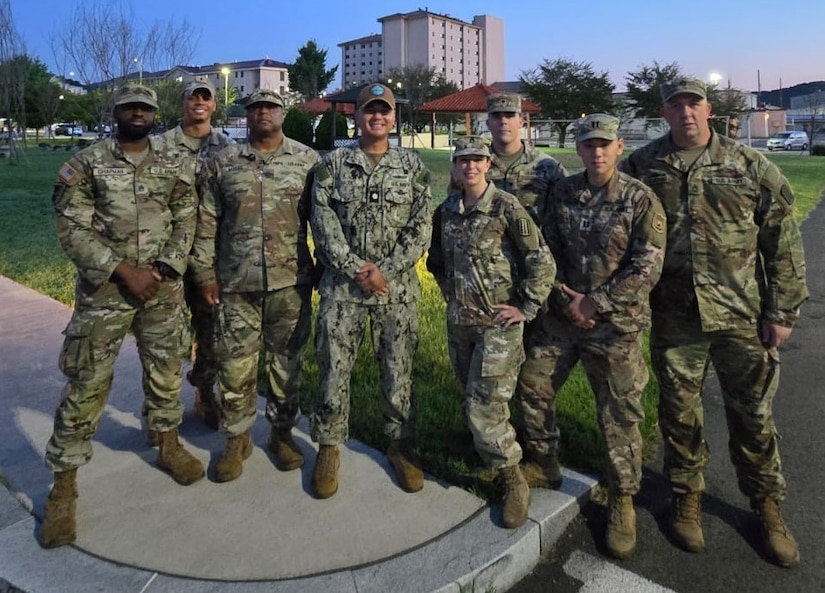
[{"x": 282, "y": 77}]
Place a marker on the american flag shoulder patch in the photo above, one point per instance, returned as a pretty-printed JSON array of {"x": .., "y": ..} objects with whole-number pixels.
[{"x": 68, "y": 174}]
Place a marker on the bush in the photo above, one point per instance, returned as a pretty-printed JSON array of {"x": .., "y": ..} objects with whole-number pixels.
[
  {"x": 818, "y": 150},
  {"x": 298, "y": 126},
  {"x": 323, "y": 133}
]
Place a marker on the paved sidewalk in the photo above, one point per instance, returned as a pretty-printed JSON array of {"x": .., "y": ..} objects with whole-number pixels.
[{"x": 141, "y": 532}]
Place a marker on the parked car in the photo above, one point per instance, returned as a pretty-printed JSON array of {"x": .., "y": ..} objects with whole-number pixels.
[
  {"x": 62, "y": 129},
  {"x": 788, "y": 141},
  {"x": 77, "y": 131}
]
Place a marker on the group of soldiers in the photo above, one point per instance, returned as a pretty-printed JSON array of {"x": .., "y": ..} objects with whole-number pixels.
[{"x": 693, "y": 234}]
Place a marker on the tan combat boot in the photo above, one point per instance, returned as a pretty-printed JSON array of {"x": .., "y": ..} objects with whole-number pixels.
[
  {"x": 59, "y": 523},
  {"x": 205, "y": 406},
  {"x": 230, "y": 465},
  {"x": 406, "y": 465},
  {"x": 779, "y": 543},
  {"x": 516, "y": 497},
  {"x": 325, "y": 474},
  {"x": 542, "y": 471},
  {"x": 686, "y": 521},
  {"x": 621, "y": 526},
  {"x": 287, "y": 453},
  {"x": 175, "y": 460}
]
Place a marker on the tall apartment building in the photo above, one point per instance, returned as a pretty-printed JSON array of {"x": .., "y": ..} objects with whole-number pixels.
[{"x": 467, "y": 53}]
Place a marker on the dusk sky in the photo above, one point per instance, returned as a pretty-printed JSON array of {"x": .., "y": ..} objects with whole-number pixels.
[{"x": 734, "y": 38}]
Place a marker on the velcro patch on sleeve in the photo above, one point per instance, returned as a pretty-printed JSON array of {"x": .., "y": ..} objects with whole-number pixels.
[
  {"x": 524, "y": 227},
  {"x": 659, "y": 222},
  {"x": 68, "y": 174}
]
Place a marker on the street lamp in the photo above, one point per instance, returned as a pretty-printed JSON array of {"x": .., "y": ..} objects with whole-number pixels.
[
  {"x": 225, "y": 71},
  {"x": 140, "y": 67},
  {"x": 715, "y": 77}
]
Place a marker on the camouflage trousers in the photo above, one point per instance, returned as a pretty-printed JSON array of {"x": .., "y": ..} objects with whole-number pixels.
[
  {"x": 617, "y": 374},
  {"x": 486, "y": 362},
  {"x": 280, "y": 322},
  {"x": 202, "y": 322},
  {"x": 92, "y": 342},
  {"x": 748, "y": 375},
  {"x": 339, "y": 331}
]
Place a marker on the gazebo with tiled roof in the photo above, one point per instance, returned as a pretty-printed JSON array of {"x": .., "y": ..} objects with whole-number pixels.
[{"x": 471, "y": 100}]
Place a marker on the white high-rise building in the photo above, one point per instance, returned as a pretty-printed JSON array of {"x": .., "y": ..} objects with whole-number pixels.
[{"x": 467, "y": 53}]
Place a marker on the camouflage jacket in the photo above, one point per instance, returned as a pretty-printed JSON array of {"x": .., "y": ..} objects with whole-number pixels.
[
  {"x": 610, "y": 247},
  {"x": 493, "y": 254},
  {"x": 110, "y": 211},
  {"x": 252, "y": 220},
  {"x": 363, "y": 214},
  {"x": 209, "y": 146},
  {"x": 733, "y": 243},
  {"x": 530, "y": 178}
]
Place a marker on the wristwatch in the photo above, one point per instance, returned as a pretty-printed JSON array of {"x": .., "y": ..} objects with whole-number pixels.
[{"x": 166, "y": 270}]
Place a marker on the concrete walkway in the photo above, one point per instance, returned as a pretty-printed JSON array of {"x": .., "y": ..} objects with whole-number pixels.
[{"x": 139, "y": 531}]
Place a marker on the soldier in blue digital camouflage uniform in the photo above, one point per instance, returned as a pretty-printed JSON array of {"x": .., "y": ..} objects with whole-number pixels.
[
  {"x": 126, "y": 213},
  {"x": 730, "y": 292},
  {"x": 495, "y": 272},
  {"x": 607, "y": 233},
  {"x": 371, "y": 224},
  {"x": 252, "y": 261}
]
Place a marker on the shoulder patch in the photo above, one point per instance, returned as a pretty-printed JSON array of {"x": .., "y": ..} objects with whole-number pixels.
[
  {"x": 524, "y": 227},
  {"x": 68, "y": 174},
  {"x": 659, "y": 223}
]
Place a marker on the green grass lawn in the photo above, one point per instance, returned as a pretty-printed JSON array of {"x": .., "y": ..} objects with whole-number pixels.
[{"x": 30, "y": 255}]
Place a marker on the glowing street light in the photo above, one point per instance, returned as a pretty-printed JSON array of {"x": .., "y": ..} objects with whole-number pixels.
[
  {"x": 140, "y": 67},
  {"x": 225, "y": 71}
]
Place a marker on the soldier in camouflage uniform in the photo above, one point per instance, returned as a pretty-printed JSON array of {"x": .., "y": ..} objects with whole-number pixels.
[
  {"x": 196, "y": 137},
  {"x": 260, "y": 274},
  {"x": 126, "y": 214},
  {"x": 495, "y": 272},
  {"x": 730, "y": 292},
  {"x": 607, "y": 233},
  {"x": 371, "y": 224},
  {"x": 530, "y": 175}
]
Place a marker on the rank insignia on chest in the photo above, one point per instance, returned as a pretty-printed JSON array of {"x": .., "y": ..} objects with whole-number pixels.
[
  {"x": 523, "y": 227},
  {"x": 374, "y": 196},
  {"x": 585, "y": 224}
]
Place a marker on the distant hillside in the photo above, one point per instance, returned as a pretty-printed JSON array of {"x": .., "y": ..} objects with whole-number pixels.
[{"x": 782, "y": 97}]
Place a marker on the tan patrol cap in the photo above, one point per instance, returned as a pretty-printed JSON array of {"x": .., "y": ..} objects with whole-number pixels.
[
  {"x": 468, "y": 145},
  {"x": 264, "y": 96},
  {"x": 597, "y": 125},
  {"x": 195, "y": 85},
  {"x": 504, "y": 103},
  {"x": 136, "y": 93},
  {"x": 375, "y": 92},
  {"x": 682, "y": 85}
]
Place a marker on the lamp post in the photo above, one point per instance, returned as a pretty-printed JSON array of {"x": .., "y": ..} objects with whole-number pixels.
[
  {"x": 140, "y": 69},
  {"x": 225, "y": 71}
]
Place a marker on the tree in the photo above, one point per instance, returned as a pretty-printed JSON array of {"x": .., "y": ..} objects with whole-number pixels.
[
  {"x": 643, "y": 87},
  {"x": 323, "y": 132},
  {"x": 725, "y": 103},
  {"x": 308, "y": 74},
  {"x": 298, "y": 126},
  {"x": 170, "y": 102},
  {"x": 418, "y": 85},
  {"x": 105, "y": 47},
  {"x": 11, "y": 79},
  {"x": 565, "y": 89}
]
